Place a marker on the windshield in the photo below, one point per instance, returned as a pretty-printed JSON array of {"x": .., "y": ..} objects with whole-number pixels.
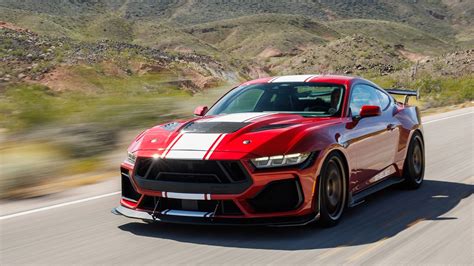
[{"x": 307, "y": 99}]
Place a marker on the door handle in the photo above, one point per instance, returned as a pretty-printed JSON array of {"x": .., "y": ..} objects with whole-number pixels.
[{"x": 391, "y": 127}]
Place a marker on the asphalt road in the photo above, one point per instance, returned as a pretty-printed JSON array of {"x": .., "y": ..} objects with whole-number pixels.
[{"x": 433, "y": 225}]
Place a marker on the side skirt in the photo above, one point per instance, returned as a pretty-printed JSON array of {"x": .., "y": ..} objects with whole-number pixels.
[{"x": 358, "y": 198}]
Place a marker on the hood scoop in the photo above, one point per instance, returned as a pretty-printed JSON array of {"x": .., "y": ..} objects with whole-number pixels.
[
  {"x": 270, "y": 127},
  {"x": 213, "y": 127}
]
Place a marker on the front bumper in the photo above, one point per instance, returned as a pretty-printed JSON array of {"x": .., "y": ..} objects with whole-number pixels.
[{"x": 251, "y": 197}]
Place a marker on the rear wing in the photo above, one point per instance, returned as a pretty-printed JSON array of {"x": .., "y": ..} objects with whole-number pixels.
[{"x": 407, "y": 93}]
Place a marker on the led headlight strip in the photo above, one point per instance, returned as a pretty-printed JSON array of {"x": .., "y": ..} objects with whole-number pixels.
[{"x": 280, "y": 160}]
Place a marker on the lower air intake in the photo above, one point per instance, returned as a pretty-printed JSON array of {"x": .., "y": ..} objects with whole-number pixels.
[
  {"x": 127, "y": 188},
  {"x": 278, "y": 196},
  {"x": 220, "y": 207}
]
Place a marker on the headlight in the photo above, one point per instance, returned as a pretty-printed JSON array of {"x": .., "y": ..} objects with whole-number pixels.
[
  {"x": 280, "y": 160},
  {"x": 131, "y": 158}
]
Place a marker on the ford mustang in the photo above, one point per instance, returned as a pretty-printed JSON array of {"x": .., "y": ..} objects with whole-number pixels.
[{"x": 287, "y": 150}]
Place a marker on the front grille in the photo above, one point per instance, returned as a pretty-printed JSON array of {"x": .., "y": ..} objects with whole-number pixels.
[
  {"x": 191, "y": 176},
  {"x": 190, "y": 171}
]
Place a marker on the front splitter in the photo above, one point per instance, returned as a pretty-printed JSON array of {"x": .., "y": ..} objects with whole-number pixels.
[{"x": 158, "y": 217}]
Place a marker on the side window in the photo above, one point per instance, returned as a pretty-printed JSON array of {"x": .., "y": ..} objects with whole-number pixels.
[
  {"x": 384, "y": 99},
  {"x": 363, "y": 95}
]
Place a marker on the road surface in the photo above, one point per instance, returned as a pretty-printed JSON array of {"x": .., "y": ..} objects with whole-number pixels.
[{"x": 431, "y": 225}]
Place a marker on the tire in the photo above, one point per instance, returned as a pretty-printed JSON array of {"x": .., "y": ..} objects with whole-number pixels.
[
  {"x": 414, "y": 166},
  {"x": 332, "y": 191}
]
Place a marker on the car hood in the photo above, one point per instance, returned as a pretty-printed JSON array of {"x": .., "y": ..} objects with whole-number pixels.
[{"x": 242, "y": 134}]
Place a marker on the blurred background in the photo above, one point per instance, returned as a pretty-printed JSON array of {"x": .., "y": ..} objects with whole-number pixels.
[{"x": 79, "y": 79}]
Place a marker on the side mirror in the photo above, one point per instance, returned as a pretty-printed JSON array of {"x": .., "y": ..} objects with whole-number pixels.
[
  {"x": 369, "y": 110},
  {"x": 200, "y": 110}
]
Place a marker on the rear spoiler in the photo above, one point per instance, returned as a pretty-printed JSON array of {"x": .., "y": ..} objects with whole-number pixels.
[{"x": 407, "y": 94}]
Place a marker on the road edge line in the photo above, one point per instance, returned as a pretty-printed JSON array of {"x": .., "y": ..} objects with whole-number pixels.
[
  {"x": 444, "y": 118},
  {"x": 8, "y": 216}
]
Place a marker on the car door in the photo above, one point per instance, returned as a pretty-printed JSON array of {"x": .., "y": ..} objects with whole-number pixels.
[{"x": 372, "y": 140}]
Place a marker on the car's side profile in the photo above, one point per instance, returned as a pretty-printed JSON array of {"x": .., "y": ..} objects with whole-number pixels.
[{"x": 283, "y": 150}]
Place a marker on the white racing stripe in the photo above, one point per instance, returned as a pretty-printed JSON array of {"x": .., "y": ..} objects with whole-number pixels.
[
  {"x": 238, "y": 117},
  {"x": 292, "y": 78},
  {"x": 260, "y": 116},
  {"x": 192, "y": 146},
  {"x": 214, "y": 146},
  {"x": 18, "y": 214},
  {"x": 165, "y": 152}
]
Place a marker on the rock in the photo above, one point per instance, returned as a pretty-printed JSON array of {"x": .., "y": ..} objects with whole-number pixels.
[
  {"x": 21, "y": 76},
  {"x": 29, "y": 55}
]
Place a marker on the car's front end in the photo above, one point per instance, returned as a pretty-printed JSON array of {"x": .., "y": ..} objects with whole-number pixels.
[{"x": 228, "y": 191}]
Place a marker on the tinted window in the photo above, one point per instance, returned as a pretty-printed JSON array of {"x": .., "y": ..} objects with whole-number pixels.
[
  {"x": 310, "y": 99},
  {"x": 363, "y": 95},
  {"x": 384, "y": 99},
  {"x": 245, "y": 102}
]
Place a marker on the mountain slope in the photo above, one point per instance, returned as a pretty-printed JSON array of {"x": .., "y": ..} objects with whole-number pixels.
[
  {"x": 393, "y": 33},
  {"x": 442, "y": 18},
  {"x": 251, "y": 35}
]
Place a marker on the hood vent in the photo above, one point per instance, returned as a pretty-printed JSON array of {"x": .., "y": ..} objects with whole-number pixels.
[
  {"x": 213, "y": 127},
  {"x": 170, "y": 126},
  {"x": 270, "y": 127}
]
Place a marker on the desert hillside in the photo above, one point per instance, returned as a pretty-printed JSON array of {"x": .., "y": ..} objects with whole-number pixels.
[{"x": 77, "y": 76}]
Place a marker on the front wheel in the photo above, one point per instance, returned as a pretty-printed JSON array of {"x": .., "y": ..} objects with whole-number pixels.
[
  {"x": 332, "y": 190},
  {"x": 414, "y": 167}
]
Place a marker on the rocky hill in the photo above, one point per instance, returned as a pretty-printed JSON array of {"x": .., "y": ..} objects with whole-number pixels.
[
  {"x": 75, "y": 75},
  {"x": 27, "y": 56},
  {"x": 433, "y": 16},
  {"x": 211, "y": 41}
]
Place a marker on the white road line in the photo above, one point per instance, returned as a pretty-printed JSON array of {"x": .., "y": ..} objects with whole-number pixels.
[
  {"x": 444, "y": 118},
  {"x": 118, "y": 192},
  {"x": 58, "y": 205}
]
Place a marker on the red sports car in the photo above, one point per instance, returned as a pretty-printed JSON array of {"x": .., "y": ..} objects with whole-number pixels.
[{"x": 279, "y": 151}]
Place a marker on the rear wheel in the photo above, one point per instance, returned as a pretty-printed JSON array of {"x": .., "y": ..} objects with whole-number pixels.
[
  {"x": 414, "y": 167},
  {"x": 332, "y": 191}
]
